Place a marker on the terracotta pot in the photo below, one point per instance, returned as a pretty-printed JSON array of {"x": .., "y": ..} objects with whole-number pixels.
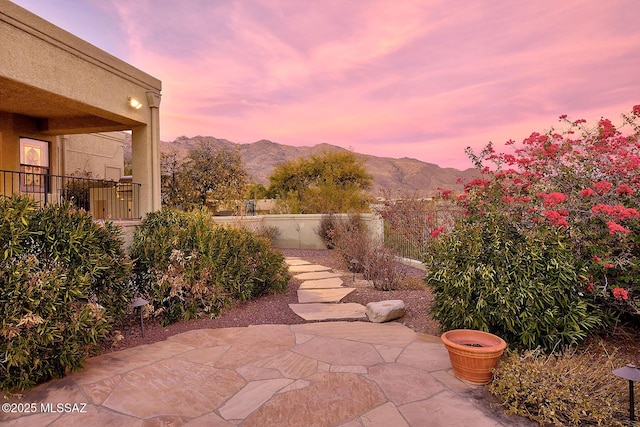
[{"x": 473, "y": 354}]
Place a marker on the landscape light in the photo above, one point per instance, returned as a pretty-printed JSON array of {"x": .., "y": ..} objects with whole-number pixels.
[
  {"x": 631, "y": 373},
  {"x": 134, "y": 103},
  {"x": 140, "y": 302}
]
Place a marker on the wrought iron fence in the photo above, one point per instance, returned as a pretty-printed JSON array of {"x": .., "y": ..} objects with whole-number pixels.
[
  {"x": 104, "y": 199},
  {"x": 408, "y": 224}
]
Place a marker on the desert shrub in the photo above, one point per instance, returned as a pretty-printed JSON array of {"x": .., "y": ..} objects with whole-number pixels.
[
  {"x": 64, "y": 281},
  {"x": 351, "y": 241},
  {"x": 520, "y": 284},
  {"x": 188, "y": 266},
  {"x": 382, "y": 269},
  {"x": 326, "y": 229},
  {"x": 360, "y": 253},
  {"x": 576, "y": 388},
  {"x": 268, "y": 232}
]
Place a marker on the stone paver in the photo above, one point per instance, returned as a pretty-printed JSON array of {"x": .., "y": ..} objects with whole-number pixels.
[
  {"x": 291, "y": 261},
  {"x": 323, "y": 295},
  {"x": 307, "y": 268},
  {"x": 317, "y": 374},
  {"x": 322, "y": 311},
  {"x": 332, "y": 282},
  {"x": 315, "y": 275}
]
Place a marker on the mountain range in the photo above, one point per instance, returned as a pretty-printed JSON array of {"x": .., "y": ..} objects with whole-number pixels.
[{"x": 404, "y": 177}]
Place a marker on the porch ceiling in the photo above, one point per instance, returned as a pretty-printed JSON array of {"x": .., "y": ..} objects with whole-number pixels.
[{"x": 55, "y": 114}]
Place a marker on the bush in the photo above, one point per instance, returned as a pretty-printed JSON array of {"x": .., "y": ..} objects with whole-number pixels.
[
  {"x": 519, "y": 284},
  {"x": 382, "y": 269},
  {"x": 583, "y": 179},
  {"x": 326, "y": 229},
  {"x": 188, "y": 266},
  {"x": 360, "y": 253},
  {"x": 350, "y": 240},
  {"x": 269, "y": 232},
  {"x": 64, "y": 281},
  {"x": 548, "y": 246},
  {"x": 576, "y": 388}
]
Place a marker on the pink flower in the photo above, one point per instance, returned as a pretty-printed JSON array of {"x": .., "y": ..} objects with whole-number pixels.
[
  {"x": 591, "y": 287},
  {"x": 602, "y": 186},
  {"x": 609, "y": 266},
  {"x": 507, "y": 199},
  {"x": 625, "y": 189},
  {"x": 435, "y": 233},
  {"x": 587, "y": 192},
  {"x": 619, "y": 212},
  {"x": 616, "y": 228},
  {"x": 556, "y": 218},
  {"x": 552, "y": 199},
  {"x": 606, "y": 127},
  {"x": 620, "y": 294},
  {"x": 636, "y": 110},
  {"x": 596, "y": 258},
  {"x": 445, "y": 193}
]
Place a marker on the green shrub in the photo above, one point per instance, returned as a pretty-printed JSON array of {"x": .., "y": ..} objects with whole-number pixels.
[
  {"x": 576, "y": 388},
  {"x": 523, "y": 285},
  {"x": 189, "y": 266},
  {"x": 64, "y": 280}
]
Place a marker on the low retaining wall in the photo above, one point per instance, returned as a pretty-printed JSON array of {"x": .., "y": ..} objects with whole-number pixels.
[{"x": 298, "y": 231}]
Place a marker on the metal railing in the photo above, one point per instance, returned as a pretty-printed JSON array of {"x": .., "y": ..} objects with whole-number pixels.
[
  {"x": 102, "y": 198},
  {"x": 407, "y": 230}
]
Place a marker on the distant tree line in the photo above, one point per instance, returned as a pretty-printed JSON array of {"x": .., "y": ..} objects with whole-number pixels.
[{"x": 215, "y": 177}]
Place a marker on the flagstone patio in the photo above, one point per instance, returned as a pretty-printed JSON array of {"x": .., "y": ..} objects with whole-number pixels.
[{"x": 330, "y": 373}]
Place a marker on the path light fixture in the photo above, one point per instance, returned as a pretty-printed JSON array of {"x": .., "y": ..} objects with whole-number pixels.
[
  {"x": 139, "y": 302},
  {"x": 354, "y": 268},
  {"x": 134, "y": 103},
  {"x": 630, "y": 373}
]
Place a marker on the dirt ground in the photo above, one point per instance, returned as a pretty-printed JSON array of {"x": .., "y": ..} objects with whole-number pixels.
[{"x": 274, "y": 308}]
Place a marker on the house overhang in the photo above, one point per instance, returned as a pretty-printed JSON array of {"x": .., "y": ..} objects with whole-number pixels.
[
  {"x": 54, "y": 83},
  {"x": 54, "y": 114}
]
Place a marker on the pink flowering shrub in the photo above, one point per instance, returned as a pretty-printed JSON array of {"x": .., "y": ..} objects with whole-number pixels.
[{"x": 581, "y": 181}]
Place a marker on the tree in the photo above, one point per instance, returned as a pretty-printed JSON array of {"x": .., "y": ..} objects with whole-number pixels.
[
  {"x": 333, "y": 181},
  {"x": 170, "y": 169},
  {"x": 208, "y": 176}
]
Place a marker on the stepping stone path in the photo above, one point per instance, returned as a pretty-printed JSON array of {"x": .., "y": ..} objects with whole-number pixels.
[{"x": 320, "y": 294}]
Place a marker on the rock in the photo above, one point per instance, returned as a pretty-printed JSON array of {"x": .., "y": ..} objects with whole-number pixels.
[{"x": 385, "y": 311}]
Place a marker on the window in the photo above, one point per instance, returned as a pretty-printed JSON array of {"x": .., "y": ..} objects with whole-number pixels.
[{"x": 34, "y": 165}]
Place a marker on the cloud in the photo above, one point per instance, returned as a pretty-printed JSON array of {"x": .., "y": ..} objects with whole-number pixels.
[{"x": 419, "y": 78}]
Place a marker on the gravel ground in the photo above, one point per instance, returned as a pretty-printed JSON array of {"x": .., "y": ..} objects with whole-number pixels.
[{"x": 274, "y": 309}]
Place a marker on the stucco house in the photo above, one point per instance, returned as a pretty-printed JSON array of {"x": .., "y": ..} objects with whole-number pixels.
[{"x": 63, "y": 105}]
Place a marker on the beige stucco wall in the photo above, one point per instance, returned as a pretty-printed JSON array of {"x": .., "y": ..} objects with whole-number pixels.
[
  {"x": 53, "y": 83},
  {"x": 299, "y": 231},
  {"x": 101, "y": 154}
]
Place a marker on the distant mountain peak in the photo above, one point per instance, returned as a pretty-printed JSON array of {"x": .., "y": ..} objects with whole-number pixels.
[{"x": 391, "y": 176}]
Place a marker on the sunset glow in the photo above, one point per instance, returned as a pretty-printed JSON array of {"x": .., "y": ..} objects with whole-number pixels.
[{"x": 421, "y": 79}]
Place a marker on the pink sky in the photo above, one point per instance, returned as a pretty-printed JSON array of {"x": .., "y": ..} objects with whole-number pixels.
[{"x": 421, "y": 79}]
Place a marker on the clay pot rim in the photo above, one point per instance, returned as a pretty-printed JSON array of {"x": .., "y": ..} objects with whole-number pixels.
[{"x": 489, "y": 342}]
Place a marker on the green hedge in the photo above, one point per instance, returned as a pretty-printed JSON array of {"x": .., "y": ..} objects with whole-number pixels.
[
  {"x": 64, "y": 280},
  {"x": 524, "y": 285},
  {"x": 188, "y": 266}
]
